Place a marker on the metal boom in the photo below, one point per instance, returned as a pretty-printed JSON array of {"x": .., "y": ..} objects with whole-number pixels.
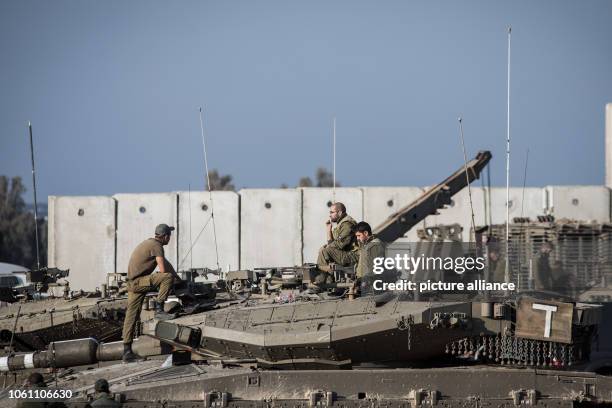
[{"x": 435, "y": 198}]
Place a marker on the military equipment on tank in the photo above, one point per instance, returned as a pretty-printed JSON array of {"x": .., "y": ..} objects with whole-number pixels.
[
  {"x": 580, "y": 259},
  {"x": 432, "y": 200},
  {"x": 32, "y": 325},
  {"x": 39, "y": 281}
]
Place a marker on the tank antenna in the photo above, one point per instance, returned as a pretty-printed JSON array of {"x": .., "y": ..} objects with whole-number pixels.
[
  {"x": 35, "y": 201},
  {"x": 522, "y": 227},
  {"x": 190, "y": 235},
  {"x": 334, "y": 162},
  {"x": 507, "y": 266},
  {"x": 467, "y": 178},
  {"x": 524, "y": 183},
  {"x": 212, "y": 211}
]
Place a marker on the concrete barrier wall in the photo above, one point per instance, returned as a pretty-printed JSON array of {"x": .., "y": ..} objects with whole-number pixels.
[
  {"x": 195, "y": 227},
  {"x": 590, "y": 203},
  {"x": 82, "y": 238},
  {"x": 316, "y": 203},
  {"x": 534, "y": 204},
  {"x": 137, "y": 216},
  {"x": 270, "y": 227},
  {"x": 267, "y": 227}
]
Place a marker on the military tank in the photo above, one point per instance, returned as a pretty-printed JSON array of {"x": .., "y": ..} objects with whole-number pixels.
[{"x": 375, "y": 350}]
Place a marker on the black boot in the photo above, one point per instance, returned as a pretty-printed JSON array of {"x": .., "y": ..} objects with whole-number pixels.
[
  {"x": 128, "y": 355},
  {"x": 160, "y": 314}
]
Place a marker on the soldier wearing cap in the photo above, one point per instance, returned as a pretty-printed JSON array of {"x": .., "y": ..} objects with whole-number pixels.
[
  {"x": 341, "y": 247},
  {"x": 148, "y": 255},
  {"x": 103, "y": 397}
]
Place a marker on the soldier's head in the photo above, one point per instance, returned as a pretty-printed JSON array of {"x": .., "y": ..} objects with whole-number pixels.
[
  {"x": 546, "y": 247},
  {"x": 101, "y": 385},
  {"x": 163, "y": 233},
  {"x": 35, "y": 379},
  {"x": 493, "y": 254},
  {"x": 362, "y": 231},
  {"x": 337, "y": 211}
]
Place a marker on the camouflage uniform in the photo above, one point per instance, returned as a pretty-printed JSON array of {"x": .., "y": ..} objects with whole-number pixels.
[
  {"x": 342, "y": 249},
  {"x": 368, "y": 251},
  {"x": 104, "y": 400}
]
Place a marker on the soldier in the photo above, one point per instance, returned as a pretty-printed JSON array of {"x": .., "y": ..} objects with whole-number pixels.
[
  {"x": 33, "y": 382},
  {"x": 497, "y": 266},
  {"x": 141, "y": 279},
  {"x": 341, "y": 248},
  {"x": 370, "y": 247},
  {"x": 103, "y": 398},
  {"x": 542, "y": 268}
]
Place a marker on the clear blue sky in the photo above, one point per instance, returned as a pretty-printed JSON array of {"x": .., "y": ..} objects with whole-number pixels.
[{"x": 113, "y": 89}]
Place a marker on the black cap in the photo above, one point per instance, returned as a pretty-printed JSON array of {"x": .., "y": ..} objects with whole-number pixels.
[
  {"x": 163, "y": 229},
  {"x": 101, "y": 385}
]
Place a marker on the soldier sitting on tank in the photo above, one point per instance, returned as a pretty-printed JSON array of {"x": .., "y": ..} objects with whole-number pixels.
[
  {"x": 341, "y": 248},
  {"x": 103, "y": 397},
  {"x": 543, "y": 273},
  {"x": 148, "y": 255},
  {"x": 34, "y": 381},
  {"x": 370, "y": 248}
]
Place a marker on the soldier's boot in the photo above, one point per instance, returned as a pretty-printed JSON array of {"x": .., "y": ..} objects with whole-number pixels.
[
  {"x": 160, "y": 314},
  {"x": 129, "y": 356}
]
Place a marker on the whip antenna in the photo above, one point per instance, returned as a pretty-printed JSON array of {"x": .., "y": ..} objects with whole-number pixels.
[
  {"x": 507, "y": 268},
  {"x": 212, "y": 210},
  {"x": 334, "y": 163},
  {"x": 467, "y": 177},
  {"x": 522, "y": 227},
  {"x": 190, "y": 236},
  {"x": 524, "y": 183},
  {"x": 35, "y": 201}
]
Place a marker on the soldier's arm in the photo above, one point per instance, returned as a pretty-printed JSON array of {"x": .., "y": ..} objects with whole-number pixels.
[
  {"x": 344, "y": 237},
  {"x": 375, "y": 251},
  {"x": 165, "y": 266}
]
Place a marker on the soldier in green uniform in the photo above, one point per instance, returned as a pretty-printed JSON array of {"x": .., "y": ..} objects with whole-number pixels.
[
  {"x": 148, "y": 255},
  {"x": 497, "y": 266},
  {"x": 370, "y": 248},
  {"x": 103, "y": 397},
  {"x": 341, "y": 248},
  {"x": 542, "y": 270},
  {"x": 35, "y": 381}
]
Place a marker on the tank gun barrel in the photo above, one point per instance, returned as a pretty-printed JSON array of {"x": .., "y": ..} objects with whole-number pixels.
[
  {"x": 435, "y": 198},
  {"x": 69, "y": 353}
]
